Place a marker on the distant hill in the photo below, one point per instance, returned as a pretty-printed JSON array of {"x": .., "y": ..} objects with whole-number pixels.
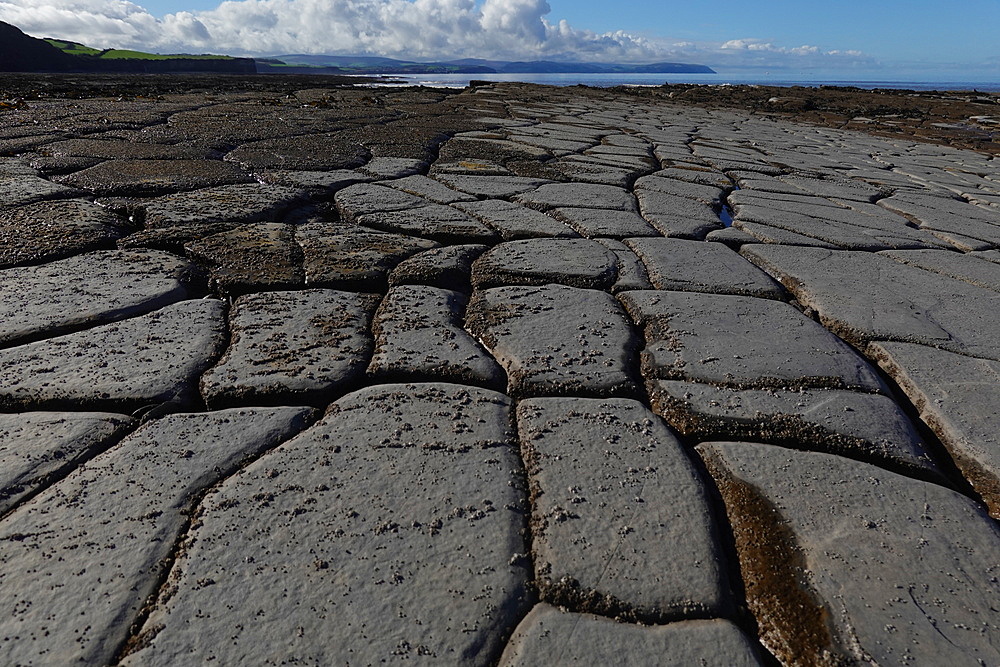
[
  {"x": 22, "y": 53},
  {"x": 377, "y": 65}
]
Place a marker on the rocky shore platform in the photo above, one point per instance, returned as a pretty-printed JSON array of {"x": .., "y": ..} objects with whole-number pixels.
[{"x": 514, "y": 375}]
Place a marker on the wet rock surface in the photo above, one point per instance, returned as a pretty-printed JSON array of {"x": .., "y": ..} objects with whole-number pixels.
[
  {"x": 927, "y": 554},
  {"x": 213, "y": 247},
  {"x": 623, "y": 529},
  {"x": 549, "y": 635},
  {"x": 400, "y": 519},
  {"x": 292, "y": 348}
]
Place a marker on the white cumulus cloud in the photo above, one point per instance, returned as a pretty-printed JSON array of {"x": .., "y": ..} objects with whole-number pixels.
[{"x": 492, "y": 29}]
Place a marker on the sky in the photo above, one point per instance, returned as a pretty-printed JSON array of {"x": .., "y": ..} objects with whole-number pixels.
[{"x": 852, "y": 37}]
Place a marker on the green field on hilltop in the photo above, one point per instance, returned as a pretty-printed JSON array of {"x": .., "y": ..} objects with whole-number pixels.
[
  {"x": 76, "y": 49},
  {"x": 73, "y": 48}
]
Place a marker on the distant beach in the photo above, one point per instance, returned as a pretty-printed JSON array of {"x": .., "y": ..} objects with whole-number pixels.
[{"x": 609, "y": 80}]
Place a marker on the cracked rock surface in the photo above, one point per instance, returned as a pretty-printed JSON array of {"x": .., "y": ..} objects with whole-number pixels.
[{"x": 301, "y": 373}]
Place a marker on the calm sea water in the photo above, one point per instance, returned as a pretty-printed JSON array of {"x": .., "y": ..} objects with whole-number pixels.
[{"x": 606, "y": 80}]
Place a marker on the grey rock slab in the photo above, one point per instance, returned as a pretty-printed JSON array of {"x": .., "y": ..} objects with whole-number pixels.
[
  {"x": 38, "y": 447},
  {"x": 429, "y": 189},
  {"x": 676, "y": 216},
  {"x": 94, "y": 288},
  {"x": 556, "y": 340},
  {"x": 631, "y": 272},
  {"x": 173, "y": 239},
  {"x": 701, "y": 176},
  {"x": 351, "y": 257},
  {"x": 249, "y": 202},
  {"x": 491, "y": 187},
  {"x": 621, "y": 523},
  {"x": 50, "y": 230},
  {"x": 873, "y": 568},
  {"x": 318, "y": 183},
  {"x": 863, "y": 297},
  {"x": 122, "y": 366},
  {"x": 594, "y": 172},
  {"x": 574, "y": 262},
  {"x": 115, "y": 149},
  {"x": 393, "y": 167},
  {"x": 594, "y": 222},
  {"x": 308, "y": 152},
  {"x": 835, "y": 187},
  {"x": 146, "y": 178},
  {"x": 582, "y": 195},
  {"x": 552, "y": 636},
  {"x": 395, "y": 525},
  {"x": 742, "y": 342},
  {"x": 707, "y": 194},
  {"x": 696, "y": 266},
  {"x": 961, "y": 266},
  {"x": 24, "y": 190},
  {"x": 514, "y": 221},
  {"x": 474, "y": 167},
  {"x": 292, "y": 348},
  {"x": 731, "y": 237},
  {"x": 251, "y": 257},
  {"x": 449, "y": 267},
  {"x": 78, "y": 562},
  {"x": 419, "y": 338},
  {"x": 778, "y": 236},
  {"x": 867, "y": 427},
  {"x": 444, "y": 224},
  {"x": 959, "y": 398}
]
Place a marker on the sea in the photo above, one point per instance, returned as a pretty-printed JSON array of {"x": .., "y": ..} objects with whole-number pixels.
[{"x": 609, "y": 80}]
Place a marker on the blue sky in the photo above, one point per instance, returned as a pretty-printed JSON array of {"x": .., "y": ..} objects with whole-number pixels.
[{"x": 794, "y": 35}]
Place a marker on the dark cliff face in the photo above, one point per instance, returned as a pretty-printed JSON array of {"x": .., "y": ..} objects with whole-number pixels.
[{"x": 21, "y": 53}]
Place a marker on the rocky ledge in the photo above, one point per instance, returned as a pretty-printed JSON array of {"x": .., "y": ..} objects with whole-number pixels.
[{"x": 516, "y": 375}]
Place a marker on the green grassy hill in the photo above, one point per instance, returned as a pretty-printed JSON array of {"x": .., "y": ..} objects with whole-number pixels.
[{"x": 77, "y": 49}]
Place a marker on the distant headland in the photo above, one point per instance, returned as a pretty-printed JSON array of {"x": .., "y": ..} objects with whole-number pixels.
[{"x": 22, "y": 53}]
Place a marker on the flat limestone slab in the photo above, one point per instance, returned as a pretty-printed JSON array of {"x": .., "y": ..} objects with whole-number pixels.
[
  {"x": 695, "y": 266},
  {"x": 585, "y": 195},
  {"x": 574, "y": 262},
  {"x": 419, "y": 338},
  {"x": 292, "y": 348},
  {"x": 863, "y": 297},
  {"x": 78, "y": 562},
  {"x": 449, "y": 267},
  {"x": 50, "y": 230},
  {"x": 621, "y": 523},
  {"x": 631, "y": 271},
  {"x": 868, "y": 427},
  {"x": 392, "y": 524},
  {"x": 248, "y": 202},
  {"x": 251, "y": 257},
  {"x": 122, "y": 366},
  {"x": 36, "y": 447},
  {"x": 352, "y": 257},
  {"x": 675, "y": 216},
  {"x": 95, "y": 288},
  {"x": 556, "y": 340},
  {"x": 147, "y": 178},
  {"x": 959, "y": 398},
  {"x": 514, "y": 221},
  {"x": 492, "y": 187},
  {"x": 24, "y": 190},
  {"x": 594, "y": 222},
  {"x": 429, "y": 189},
  {"x": 309, "y": 152},
  {"x": 366, "y": 198},
  {"x": 742, "y": 342},
  {"x": 551, "y": 636},
  {"x": 961, "y": 266},
  {"x": 875, "y": 568},
  {"x": 444, "y": 224}
]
